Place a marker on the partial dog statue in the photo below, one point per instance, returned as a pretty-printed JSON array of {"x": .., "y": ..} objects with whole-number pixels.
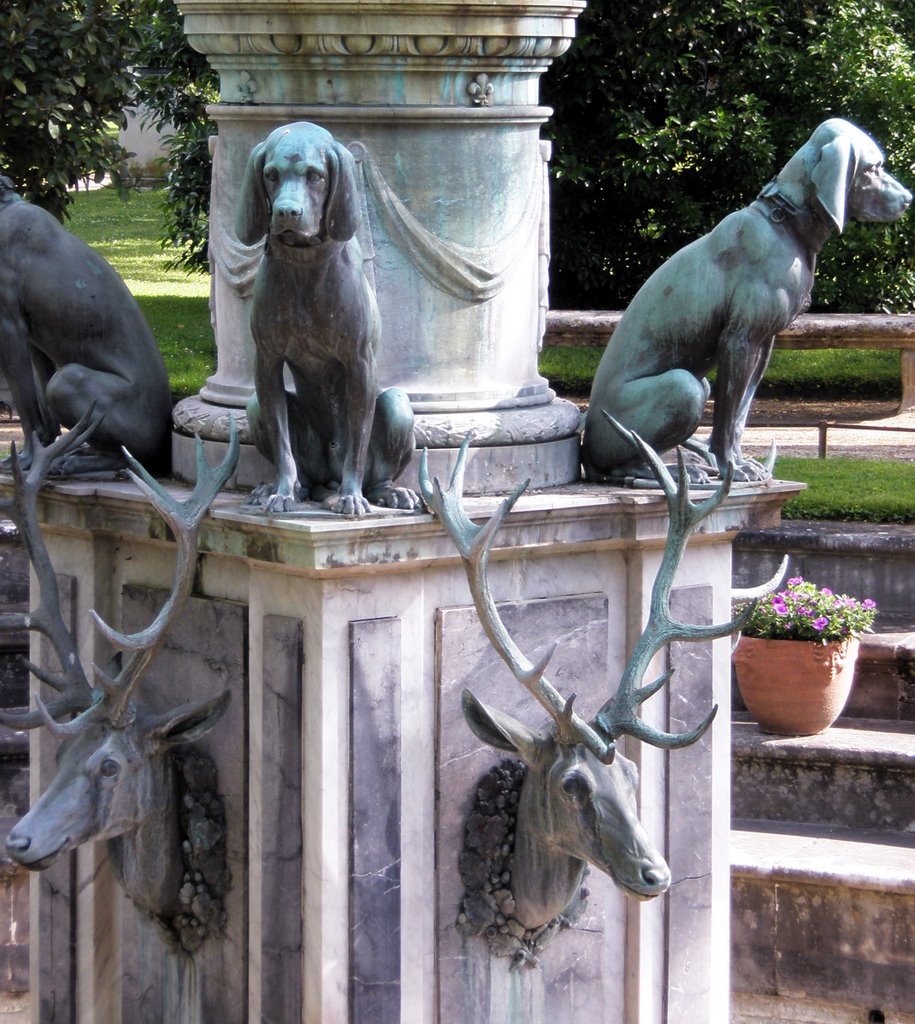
[
  {"x": 72, "y": 336},
  {"x": 333, "y": 438},
  {"x": 720, "y": 301}
]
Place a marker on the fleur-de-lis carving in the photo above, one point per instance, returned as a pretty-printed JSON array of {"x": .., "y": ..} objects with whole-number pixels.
[
  {"x": 481, "y": 90},
  {"x": 247, "y": 86}
]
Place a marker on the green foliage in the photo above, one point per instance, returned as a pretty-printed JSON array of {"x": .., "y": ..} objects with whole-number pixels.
[
  {"x": 862, "y": 490},
  {"x": 804, "y": 611},
  {"x": 669, "y": 117},
  {"x": 176, "y": 84},
  {"x": 175, "y": 304},
  {"x": 64, "y": 77}
]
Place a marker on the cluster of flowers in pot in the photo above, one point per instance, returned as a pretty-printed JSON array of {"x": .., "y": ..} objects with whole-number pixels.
[{"x": 803, "y": 611}]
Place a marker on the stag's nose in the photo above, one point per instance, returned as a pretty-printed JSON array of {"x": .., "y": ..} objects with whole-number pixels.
[
  {"x": 17, "y": 844},
  {"x": 657, "y": 877}
]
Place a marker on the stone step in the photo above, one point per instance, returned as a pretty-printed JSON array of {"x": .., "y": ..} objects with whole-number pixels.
[
  {"x": 858, "y": 774},
  {"x": 824, "y": 913},
  {"x": 884, "y": 684}
]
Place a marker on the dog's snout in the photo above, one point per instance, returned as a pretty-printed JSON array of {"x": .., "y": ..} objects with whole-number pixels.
[{"x": 288, "y": 211}]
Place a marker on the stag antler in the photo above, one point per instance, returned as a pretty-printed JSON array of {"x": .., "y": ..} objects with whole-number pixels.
[
  {"x": 473, "y": 542},
  {"x": 111, "y": 697},
  {"x": 47, "y": 619},
  {"x": 618, "y": 716}
]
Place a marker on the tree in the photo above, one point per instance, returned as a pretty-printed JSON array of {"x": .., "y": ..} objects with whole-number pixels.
[
  {"x": 176, "y": 84},
  {"x": 64, "y": 82},
  {"x": 667, "y": 118}
]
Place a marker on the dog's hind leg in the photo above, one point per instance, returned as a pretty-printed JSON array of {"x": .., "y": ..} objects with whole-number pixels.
[
  {"x": 26, "y": 370},
  {"x": 135, "y": 416},
  {"x": 390, "y": 450},
  {"x": 663, "y": 410}
]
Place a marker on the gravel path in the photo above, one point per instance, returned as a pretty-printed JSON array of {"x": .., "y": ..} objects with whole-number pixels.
[{"x": 792, "y": 425}]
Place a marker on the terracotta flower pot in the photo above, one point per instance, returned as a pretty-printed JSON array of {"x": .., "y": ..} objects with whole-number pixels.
[{"x": 795, "y": 687}]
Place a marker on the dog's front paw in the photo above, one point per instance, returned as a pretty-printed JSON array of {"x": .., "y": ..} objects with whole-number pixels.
[
  {"x": 347, "y": 504},
  {"x": 390, "y": 496},
  {"x": 273, "y": 498}
]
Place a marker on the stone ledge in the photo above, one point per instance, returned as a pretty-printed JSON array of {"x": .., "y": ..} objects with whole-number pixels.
[
  {"x": 750, "y": 1008},
  {"x": 593, "y": 328},
  {"x": 859, "y": 742},
  {"x": 818, "y": 535},
  {"x": 824, "y": 855}
]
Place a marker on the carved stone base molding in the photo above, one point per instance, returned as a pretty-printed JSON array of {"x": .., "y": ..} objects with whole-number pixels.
[{"x": 509, "y": 445}]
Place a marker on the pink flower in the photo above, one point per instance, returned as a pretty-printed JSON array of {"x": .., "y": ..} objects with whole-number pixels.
[{"x": 821, "y": 623}]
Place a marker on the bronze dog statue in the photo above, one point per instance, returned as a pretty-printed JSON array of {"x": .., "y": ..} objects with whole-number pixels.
[
  {"x": 333, "y": 437},
  {"x": 720, "y": 301},
  {"x": 72, "y": 336}
]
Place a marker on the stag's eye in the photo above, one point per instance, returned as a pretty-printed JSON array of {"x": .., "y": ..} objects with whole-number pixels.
[
  {"x": 109, "y": 768},
  {"x": 576, "y": 788}
]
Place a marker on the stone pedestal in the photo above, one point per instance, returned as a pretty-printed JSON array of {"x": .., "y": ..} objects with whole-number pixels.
[
  {"x": 347, "y": 769},
  {"x": 438, "y": 102}
]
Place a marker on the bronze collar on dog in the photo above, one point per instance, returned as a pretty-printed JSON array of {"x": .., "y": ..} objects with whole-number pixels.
[
  {"x": 779, "y": 205},
  {"x": 302, "y": 254}
]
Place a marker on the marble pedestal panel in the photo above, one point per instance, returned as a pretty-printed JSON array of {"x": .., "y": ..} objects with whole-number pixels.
[{"x": 347, "y": 769}]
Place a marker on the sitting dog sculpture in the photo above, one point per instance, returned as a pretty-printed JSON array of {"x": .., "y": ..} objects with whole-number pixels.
[
  {"x": 72, "y": 336},
  {"x": 720, "y": 301},
  {"x": 333, "y": 438}
]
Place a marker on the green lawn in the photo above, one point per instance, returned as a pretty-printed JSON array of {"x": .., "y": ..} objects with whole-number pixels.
[
  {"x": 810, "y": 373},
  {"x": 862, "y": 490},
  {"x": 174, "y": 303}
]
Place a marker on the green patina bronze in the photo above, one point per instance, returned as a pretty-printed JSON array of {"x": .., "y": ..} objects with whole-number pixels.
[
  {"x": 720, "y": 301},
  {"x": 72, "y": 337}
]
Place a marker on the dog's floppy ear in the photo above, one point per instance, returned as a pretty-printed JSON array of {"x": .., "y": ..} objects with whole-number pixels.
[
  {"x": 832, "y": 176},
  {"x": 252, "y": 219},
  {"x": 341, "y": 215}
]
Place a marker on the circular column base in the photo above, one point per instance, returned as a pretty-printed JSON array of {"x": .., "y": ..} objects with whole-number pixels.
[{"x": 540, "y": 443}]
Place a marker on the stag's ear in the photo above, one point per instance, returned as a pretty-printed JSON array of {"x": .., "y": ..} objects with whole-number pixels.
[
  {"x": 341, "y": 217},
  {"x": 832, "y": 176},
  {"x": 252, "y": 219},
  {"x": 188, "y": 723},
  {"x": 498, "y": 729}
]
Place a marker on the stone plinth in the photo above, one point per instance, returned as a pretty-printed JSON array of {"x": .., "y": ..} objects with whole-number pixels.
[
  {"x": 439, "y": 104},
  {"x": 347, "y": 769}
]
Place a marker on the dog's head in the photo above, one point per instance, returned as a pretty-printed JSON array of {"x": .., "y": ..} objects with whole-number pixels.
[
  {"x": 299, "y": 187},
  {"x": 840, "y": 167}
]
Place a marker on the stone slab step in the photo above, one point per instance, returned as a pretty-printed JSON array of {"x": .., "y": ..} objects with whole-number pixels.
[
  {"x": 826, "y": 913},
  {"x": 858, "y": 774}
]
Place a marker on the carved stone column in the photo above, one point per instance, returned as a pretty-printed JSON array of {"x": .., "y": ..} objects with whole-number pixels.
[{"x": 439, "y": 103}]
